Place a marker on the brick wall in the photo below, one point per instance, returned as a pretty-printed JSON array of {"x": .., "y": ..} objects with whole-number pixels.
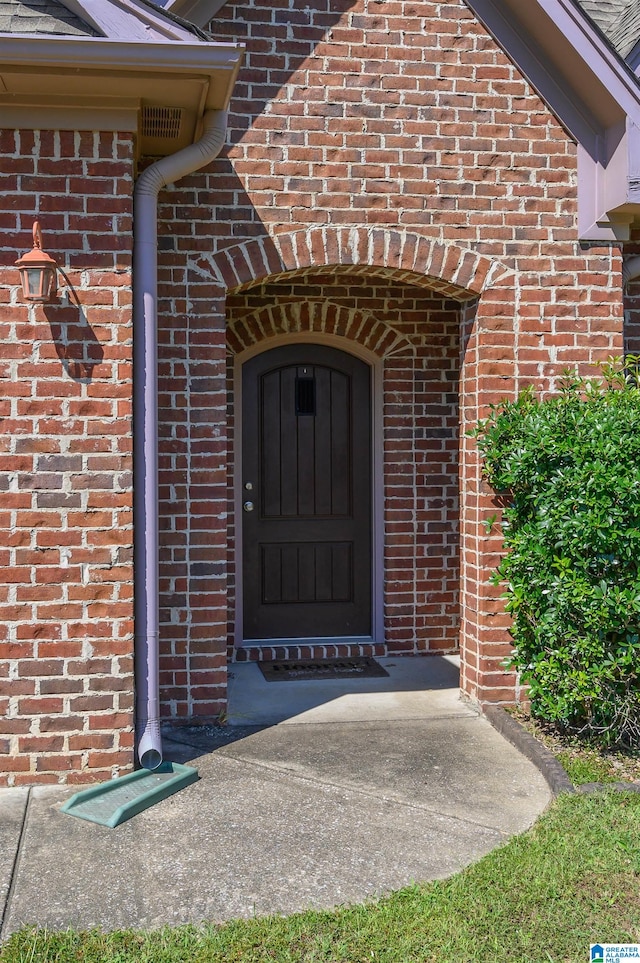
[
  {"x": 385, "y": 161},
  {"x": 382, "y": 137},
  {"x": 66, "y": 630}
]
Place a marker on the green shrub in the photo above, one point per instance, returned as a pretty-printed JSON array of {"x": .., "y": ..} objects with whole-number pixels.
[{"x": 570, "y": 468}]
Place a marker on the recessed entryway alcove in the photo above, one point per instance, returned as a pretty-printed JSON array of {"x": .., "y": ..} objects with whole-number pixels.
[{"x": 405, "y": 340}]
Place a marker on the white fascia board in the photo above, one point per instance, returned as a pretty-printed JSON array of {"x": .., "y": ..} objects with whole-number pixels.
[
  {"x": 597, "y": 53},
  {"x": 593, "y": 94},
  {"x": 565, "y": 58},
  {"x": 127, "y": 20},
  {"x": 608, "y": 192}
]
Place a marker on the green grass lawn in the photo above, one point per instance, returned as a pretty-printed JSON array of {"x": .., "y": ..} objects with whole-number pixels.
[{"x": 572, "y": 880}]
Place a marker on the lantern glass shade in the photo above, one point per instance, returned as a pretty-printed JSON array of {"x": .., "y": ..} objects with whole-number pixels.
[
  {"x": 37, "y": 271},
  {"x": 38, "y": 283}
]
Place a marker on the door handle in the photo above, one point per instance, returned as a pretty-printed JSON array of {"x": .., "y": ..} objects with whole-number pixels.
[{"x": 248, "y": 506}]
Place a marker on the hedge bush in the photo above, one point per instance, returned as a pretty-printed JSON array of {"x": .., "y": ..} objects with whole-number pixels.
[{"x": 570, "y": 468}]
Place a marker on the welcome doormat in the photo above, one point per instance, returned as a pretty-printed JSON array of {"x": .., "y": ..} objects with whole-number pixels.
[{"x": 294, "y": 670}]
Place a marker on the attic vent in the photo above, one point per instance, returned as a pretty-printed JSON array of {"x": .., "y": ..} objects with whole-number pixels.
[{"x": 164, "y": 122}]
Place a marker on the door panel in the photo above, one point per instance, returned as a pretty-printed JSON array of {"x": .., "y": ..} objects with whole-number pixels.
[
  {"x": 307, "y": 460},
  {"x": 320, "y": 572}
]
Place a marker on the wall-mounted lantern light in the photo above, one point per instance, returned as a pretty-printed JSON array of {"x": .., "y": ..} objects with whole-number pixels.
[{"x": 37, "y": 271}]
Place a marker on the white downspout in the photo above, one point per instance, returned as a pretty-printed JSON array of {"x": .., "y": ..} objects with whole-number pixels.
[{"x": 145, "y": 422}]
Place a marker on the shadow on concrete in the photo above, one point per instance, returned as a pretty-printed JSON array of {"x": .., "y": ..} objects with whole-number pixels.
[
  {"x": 186, "y": 743},
  {"x": 417, "y": 687}
]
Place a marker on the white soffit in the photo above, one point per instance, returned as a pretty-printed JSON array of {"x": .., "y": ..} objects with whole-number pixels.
[{"x": 83, "y": 83}]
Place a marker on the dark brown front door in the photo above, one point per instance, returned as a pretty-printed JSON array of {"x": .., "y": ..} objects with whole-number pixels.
[{"x": 306, "y": 518}]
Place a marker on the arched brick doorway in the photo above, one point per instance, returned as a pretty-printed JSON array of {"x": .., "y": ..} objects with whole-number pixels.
[{"x": 350, "y": 284}]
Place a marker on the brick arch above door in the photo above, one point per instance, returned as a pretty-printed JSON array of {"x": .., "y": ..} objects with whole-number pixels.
[
  {"x": 404, "y": 256},
  {"x": 316, "y": 317}
]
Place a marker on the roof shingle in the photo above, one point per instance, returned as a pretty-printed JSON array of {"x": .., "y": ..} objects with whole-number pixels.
[
  {"x": 41, "y": 17},
  {"x": 619, "y": 21},
  {"x": 624, "y": 33},
  {"x": 603, "y": 12}
]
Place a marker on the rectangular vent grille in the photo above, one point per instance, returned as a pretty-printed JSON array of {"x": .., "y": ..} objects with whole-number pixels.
[{"x": 163, "y": 122}]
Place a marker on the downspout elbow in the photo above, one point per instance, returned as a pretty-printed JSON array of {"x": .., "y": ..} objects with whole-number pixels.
[
  {"x": 185, "y": 161},
  {"x": 145, "y": 424}
]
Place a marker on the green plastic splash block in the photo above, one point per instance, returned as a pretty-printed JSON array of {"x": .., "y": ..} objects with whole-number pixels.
[{"x": 112, "y": 803}]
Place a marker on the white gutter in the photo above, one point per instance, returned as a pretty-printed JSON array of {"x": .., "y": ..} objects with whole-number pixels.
[
  {"x": 100, "y": 53},
  {"x": 145, "y": 422}
]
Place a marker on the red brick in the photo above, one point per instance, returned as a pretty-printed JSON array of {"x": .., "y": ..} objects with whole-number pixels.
[{"x": 402, "y": 208}]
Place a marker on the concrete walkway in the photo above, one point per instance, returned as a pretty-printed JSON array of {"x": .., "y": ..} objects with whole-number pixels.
[{"x": 319, "y": 793}]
